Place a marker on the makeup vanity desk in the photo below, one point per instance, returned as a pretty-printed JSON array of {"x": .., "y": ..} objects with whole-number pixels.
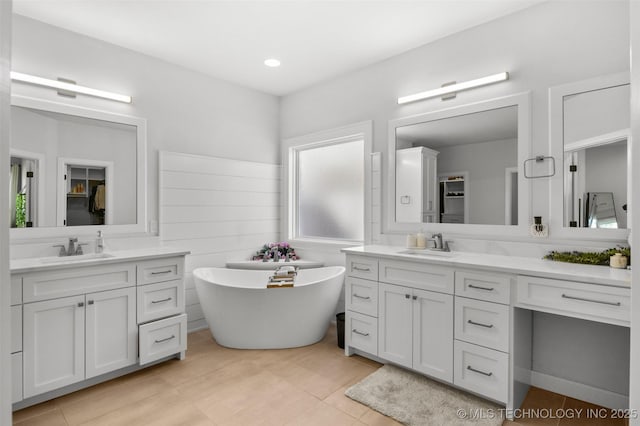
[{"x": 473, "y": 320}]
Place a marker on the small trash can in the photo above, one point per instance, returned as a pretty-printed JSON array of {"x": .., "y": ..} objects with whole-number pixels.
[{"x": 340, "y": 328}]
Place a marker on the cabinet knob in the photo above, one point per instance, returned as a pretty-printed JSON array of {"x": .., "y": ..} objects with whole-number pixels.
[
  {"x": 407, "y": 296},
  {"x": 80, "y": 304},
  {"x": 90, "y": 302},
  {"x": 415, "y": 297}
]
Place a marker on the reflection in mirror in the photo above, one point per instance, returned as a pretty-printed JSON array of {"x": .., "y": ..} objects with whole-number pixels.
[
  {"x": 459, "y": 169},
  {"x": 595, "y": 134},
  {"x": 86, "y": 170}
]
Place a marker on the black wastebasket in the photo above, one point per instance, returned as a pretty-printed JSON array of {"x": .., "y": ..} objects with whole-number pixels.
[{"x": 340, "y": 328}]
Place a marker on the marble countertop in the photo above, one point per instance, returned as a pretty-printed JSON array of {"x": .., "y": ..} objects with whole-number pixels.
[
  {"x": 50, "y": 263},
  {"x": 510, "y": 264}
]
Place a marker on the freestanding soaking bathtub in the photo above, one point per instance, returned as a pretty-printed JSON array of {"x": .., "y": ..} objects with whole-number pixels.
[{"x": 243, "y": 314}]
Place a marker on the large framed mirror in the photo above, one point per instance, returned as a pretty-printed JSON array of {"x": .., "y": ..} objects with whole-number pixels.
[
  {"x": 75, "y": 170},
  {"x": 461, "y": 167},
  {"x": 589, "y": 135}
]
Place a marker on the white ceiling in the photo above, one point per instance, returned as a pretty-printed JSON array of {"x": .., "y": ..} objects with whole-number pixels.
[{"x": 315, "y": 40}]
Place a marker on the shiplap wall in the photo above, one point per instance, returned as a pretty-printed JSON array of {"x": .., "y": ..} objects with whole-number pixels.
[{"x": 217, "y": 208}]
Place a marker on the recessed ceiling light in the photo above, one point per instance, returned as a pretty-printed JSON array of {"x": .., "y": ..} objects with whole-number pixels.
[{"x": 272, "y": 62}]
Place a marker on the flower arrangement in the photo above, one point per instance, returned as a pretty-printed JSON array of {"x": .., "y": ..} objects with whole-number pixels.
[{"x": 283, "y": 248}]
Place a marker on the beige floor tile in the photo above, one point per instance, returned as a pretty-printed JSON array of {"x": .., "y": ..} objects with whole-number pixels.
[
  {"x": 84, "y": 409},
  {"x": 49, "y": 418},
  {"x": 373, "y": 418},
  {"x": 321, "y": 415},
  {"x": 33, "y": 411},
  {"x": 345, "y": 404}
]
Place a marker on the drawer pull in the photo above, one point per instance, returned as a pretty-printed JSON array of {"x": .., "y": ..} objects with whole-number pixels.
[
  {"x": 407, "y": 296},
  {"x": 477, "y": 287},
  {"x": 357, "y": 268},
  {"x": 361, "y": 297},
  {"x": 80, "y": 304},
  {"x": 90, "y": 302},
  {"x": 168, "y": 271},
  {"x": 164, "y": 340},
  {"x": 604, "y": 302},
  {"x": 360, "y": 332},
  {"x": 480, "y": 324},
  {"x": 161, "y": 301},
  {"x": 484, "y": 373}
]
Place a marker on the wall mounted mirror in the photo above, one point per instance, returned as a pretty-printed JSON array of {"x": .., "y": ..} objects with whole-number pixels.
[
  {"x": 461, "y": 166},
  {"x": 74, "y": 168},
  {"x": 589, "y": 123}
]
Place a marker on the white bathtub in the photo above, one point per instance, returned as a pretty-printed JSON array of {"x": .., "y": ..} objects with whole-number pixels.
[{"x": 243, "y": 314}]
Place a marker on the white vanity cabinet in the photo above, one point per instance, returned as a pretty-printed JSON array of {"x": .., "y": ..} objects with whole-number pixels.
[
  {"x": 70, "y": 339},
  {"x": 96, "y": 321},
  {"x": 482, "y": 331},
  {"x": 361, "y": 300},
  {"x": 16, "y": 338},
  {"x": 416, "y": 329}
]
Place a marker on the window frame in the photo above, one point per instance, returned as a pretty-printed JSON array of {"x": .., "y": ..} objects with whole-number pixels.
[{"x": 290, "y": 149}]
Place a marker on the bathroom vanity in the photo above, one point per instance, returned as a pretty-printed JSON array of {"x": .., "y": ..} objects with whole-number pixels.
[
  {"x": 466, "y": 319},
  {"x": 78, "y": 321}
]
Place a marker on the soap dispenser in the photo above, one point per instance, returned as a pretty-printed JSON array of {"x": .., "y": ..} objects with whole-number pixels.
[{"x": 99, "y": 243}]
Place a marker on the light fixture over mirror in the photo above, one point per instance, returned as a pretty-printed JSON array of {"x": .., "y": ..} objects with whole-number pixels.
[
  {"x": 461, "y": 166},
  {"x": 454, "y": 88},
  {"x": 75, "y": 167},
  {"x": 68, "y": 87}
]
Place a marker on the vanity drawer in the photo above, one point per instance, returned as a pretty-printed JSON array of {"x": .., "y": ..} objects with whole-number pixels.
[
  {"x": 77, "y": 280},
  {"x": 16, "y": 377},
  {"x": 162, "y": 338},
  {"x": 16, "y": 328},
  {"x": 362, "y": 332},
  {"x": 483, "y": 286},
  {"x": 481, "y": 370},
  {"x": 362, "y": 296},
  {"x": 423, "y": 276},
  {"x": 16, "y": 289},
  {"x": 160, "y": 300},
  {"x": 160, "y": 270},
  {"x": 362, "y": 267},
  {"x": 575, "y": 299},
  {"x": 482, "y": 323}
]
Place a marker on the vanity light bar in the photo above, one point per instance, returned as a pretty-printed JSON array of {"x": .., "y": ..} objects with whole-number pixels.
[
  {"x": 458, "y": 87},
  {"x": 60, "y": 85}
]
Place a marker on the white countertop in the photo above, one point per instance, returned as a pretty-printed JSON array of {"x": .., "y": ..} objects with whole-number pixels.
[
  {"x": 511, "y": 264},
  {"x": 50, "y": 263}
]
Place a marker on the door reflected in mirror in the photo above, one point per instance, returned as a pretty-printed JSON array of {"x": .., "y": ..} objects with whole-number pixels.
[
  {"x": 595, "y": 134},
  {"x": 69, "y": 170},
  {"x": 459, "y": 169}
]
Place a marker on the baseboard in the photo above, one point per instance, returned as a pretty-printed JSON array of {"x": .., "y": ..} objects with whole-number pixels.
[
  {"x": 580, "y": 391},
  {"x": 197, "y": 325}
]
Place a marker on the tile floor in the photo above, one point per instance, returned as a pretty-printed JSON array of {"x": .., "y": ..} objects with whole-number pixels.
[{"x": 219, "y": 386}]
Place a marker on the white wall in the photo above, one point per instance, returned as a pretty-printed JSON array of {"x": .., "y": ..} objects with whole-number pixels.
[
  {"x": 634, "y": 375},
  {"x": 486, "y": 163},
  {"x": 219, "y": 209},
  {"x": 5, "y": 318},
  {"x": 540, "y": 47},
  {"x": 185, "y": 111}
]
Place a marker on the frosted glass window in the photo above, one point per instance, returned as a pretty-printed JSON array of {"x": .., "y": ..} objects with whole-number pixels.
[{"x": 330, "y": 191}]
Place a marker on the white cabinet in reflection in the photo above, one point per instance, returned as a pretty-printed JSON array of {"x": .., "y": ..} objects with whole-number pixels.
[{"x": 416, "y": 185}]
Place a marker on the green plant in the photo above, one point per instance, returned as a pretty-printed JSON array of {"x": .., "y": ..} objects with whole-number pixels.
[
  {"x": 588, "y": 258},
  {"x": 283, "y": 248},
  {"x": 21, "y": 211}
]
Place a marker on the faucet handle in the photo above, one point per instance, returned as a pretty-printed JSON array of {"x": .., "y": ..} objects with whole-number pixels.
[
  {"x": 63, "y": 250},
  {"x": 79, "y": 248}
]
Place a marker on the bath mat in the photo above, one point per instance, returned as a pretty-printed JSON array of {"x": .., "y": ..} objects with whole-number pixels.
[{"x": 415, "y": 400}]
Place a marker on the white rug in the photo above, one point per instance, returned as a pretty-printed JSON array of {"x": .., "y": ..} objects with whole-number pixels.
[{"x": 415, "y": 400}]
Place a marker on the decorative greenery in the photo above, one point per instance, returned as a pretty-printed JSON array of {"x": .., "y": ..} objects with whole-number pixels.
[
  {"x": 283, "y": 248},
  {"x": 589, "y": 258},
  {"x": 21, "y": 211}
]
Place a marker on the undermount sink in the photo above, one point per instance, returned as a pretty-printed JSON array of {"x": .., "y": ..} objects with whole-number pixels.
[
  {"x": 78, "y": 258},
  {"x": 427, "y": 253}
]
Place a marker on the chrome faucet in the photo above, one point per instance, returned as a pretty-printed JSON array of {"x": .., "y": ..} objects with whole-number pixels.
[
  {"x": 438, "y": 244},
  {"x": 71, "y": 250}
]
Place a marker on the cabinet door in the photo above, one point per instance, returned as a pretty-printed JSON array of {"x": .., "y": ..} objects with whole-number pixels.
[
  {"x": 395, "y": 324},
  {"x": 433, "y": 334},
  {"x": 111, "y": 331},
  {"x": 409, "y": 186},
  {"x": 53, "y": 346}
]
